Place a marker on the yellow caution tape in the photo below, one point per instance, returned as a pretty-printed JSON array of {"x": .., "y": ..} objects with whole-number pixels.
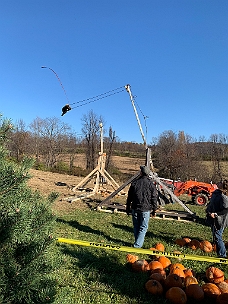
[{"x": 144, "y": 251}]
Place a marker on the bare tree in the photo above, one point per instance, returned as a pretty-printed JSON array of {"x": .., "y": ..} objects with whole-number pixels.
[
  {"x": 49, "y": 138},
  {"x": 90, "y": 131},
  {"x": 111, "y": 141},
  {"x": 175, "y": 157},
  {"x": 218, "y": 146},
  {"x": 20, "y": 137}
]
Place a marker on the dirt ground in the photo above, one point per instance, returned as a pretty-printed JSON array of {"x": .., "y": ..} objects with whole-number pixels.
[{"x": 47, "y": 182}]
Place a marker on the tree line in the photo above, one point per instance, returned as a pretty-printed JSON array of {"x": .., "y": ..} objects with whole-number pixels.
[{"x": 174, "y": 155}]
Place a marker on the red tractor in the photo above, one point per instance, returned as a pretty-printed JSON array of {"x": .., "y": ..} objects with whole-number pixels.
[{"x": 199, "y": 191}]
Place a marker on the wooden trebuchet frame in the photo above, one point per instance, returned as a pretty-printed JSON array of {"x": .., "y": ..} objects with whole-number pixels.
[{"x": 99, "y": 173}]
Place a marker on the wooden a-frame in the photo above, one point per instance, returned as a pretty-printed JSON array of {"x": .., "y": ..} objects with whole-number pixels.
[{"x": 101, "y": 176}]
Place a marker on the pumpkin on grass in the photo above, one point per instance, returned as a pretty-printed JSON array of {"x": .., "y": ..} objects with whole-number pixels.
[
  {"x": 211, "y": 290},
  {"x": 173, "y": 280},
  {"x": 154, "y": 287},
  {"x": 187, "y": 240},
  {"x": 214, "y": 274},
  {"x": 190, "y": 280},
  {"x": 177, "y": 265},
  {"x": 178, "y": 271},
  {"x": 140, "y": 266},
  {"x": 223, "y": 286},
  {"x": 158, "y": 276},
  {"x": 189, "y": 272},
  {"x": 180, "y": 242},
  {"x": 155, "y": 265},
  {"x": 194, "y": 244},
  {"x": 131, "y": 258},
  {"x": 176, "y": 295},
  {"x": 195, "y": 292},
  {"x": 160, "y": 247},
  {"x": 164, "y": 261},
  {"x": 159, "y": 270},
  {"x": 206, "y": 246}
]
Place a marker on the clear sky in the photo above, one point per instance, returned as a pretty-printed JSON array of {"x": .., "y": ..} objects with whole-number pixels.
[{"x": 173, "y": 53}]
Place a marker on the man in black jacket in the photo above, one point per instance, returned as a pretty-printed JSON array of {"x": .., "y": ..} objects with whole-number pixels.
[
  {"x": 217, "y": 217},
  {"x": 141, "y": 201}
]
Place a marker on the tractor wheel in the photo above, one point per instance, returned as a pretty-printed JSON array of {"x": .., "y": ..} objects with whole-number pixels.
[{"x": 201, "y": 199}]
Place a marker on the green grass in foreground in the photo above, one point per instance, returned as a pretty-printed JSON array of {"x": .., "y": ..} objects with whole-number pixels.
[{"x": 90, "y": 275}]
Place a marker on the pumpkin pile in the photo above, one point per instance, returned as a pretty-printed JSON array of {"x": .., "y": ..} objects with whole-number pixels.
[
  {"x": 194, "y": 244},
  {"x": 179, "y": 284}
]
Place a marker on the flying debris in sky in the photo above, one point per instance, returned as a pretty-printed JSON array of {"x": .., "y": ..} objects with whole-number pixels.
[{"x": 65, "y": 109}]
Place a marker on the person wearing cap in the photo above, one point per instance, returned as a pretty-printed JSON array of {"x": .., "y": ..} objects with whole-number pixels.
[
  {"x": 217, "y": 217},
  {"x": 141, "y": 202}
]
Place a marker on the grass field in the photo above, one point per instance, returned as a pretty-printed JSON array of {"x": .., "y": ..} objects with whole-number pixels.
[{"x": 90, "y": 275}]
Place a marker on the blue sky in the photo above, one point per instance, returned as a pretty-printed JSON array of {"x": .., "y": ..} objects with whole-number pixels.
[{"x": 173, "y": 53}]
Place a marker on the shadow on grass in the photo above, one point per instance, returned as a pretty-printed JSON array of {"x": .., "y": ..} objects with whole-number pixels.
[
  {"x": 162, "y": 236},
  {"x": 116, "y": 279},
  {"x": 84, "y": 228}
]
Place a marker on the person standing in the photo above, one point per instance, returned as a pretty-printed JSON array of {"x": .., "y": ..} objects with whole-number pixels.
[
  {"x": 217, "y": 217},
  {"x": 141, "y": 201}
]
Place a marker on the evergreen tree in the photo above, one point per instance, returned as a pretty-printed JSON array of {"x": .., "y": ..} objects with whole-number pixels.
[{"x": 26, "y": 234}]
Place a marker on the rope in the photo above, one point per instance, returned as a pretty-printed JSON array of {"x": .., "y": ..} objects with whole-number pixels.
[{"x": 98, "y": 97}]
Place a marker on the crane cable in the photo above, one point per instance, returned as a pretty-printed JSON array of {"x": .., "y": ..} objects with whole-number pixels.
[
  {"x": 83, "y": 102},
  {"x": 98, "y": 97}
]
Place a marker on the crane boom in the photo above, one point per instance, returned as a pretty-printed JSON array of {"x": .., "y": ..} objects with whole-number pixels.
[{"x": 128, "y": 88}]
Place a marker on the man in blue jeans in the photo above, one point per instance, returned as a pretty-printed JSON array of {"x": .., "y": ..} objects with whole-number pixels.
[
  {"x": 141, "y": 201},
  {"x": 217, "y": 217}
]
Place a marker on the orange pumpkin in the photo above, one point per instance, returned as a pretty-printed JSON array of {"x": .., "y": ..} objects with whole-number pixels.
[
  {"x": 180, "y": 242},
  {"x": 140, "y": 266},
  {"x": 211, "y": 290},
  {"x": 154, "y": 287},
  {"x": 223, "y": 286},
  {"x": 173, "y": 280},
  {"x": 155, "y": 265},
  {"x": 158, "y": 276},
  {"x": 164, "y": 261},
  {"x": 206, "y": 246},
  {"x": 159, "y": 270},
  {"x": 187, "y": 240},
  {"x": 160, "y": 247},
  {"x": 194, "y": 244},
  {"x": 131, "y": 258},
  {"x": 222, "y": 298},
  {"x": 178, "y": 271},
  {"x": 195, "y": 292},
  {"x": 189, "y": 272},
  {"x": 176, "y": 295},
  {"x": 177, "y": 265},
  {"x": 190, "y": 280},
  {"x": 214, "y": 274}
]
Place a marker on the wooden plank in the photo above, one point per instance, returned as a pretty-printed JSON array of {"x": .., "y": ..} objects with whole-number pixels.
[{"x": 162, "y": 214}]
